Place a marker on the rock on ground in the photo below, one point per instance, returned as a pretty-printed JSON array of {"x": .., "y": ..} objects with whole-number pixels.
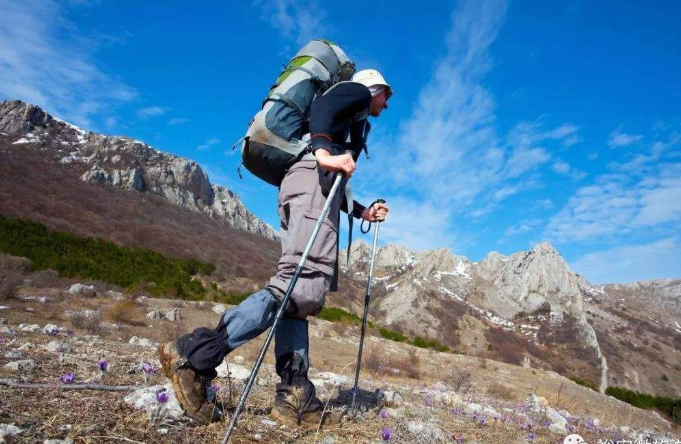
[
  {"x": 155, "y": 314},
  {"x": 140, "y": 342},
  {"x": 219, "y": 309},
  {"x": 173, "y": 315},
  {"x": 145, "y": 399},
  {"x": 84, "y": 290},
  {"x": 17, "y": 366},
  {"x": 233, "y": 371}
]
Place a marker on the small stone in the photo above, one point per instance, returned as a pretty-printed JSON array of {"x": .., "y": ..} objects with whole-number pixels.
[
  {"x": 14, "y": 354},
  {"x": 173, "y": 315},
  {"x": 439, "y": 386},
  {"x": 327, "y": 440},
  {"x": 84, "y": 290},
  {"x": 58, "y": 441},
  {"x": 558, "y": 423},
  {"x": 155, "y": 314},
  {"x": 238, "y": 359},
  {"x": 57, "y": 347},
  {"x": 257, "y": 437},
  {"x": 65, "y": 428},
  {"x": 269, "y": 423},
  {"x": 30, "y": 310},
  {"x": 219, "y": 309},
  {"x": 25, "y": 346},
  {"x": 393, "y": 399},
  {"x": 162, "y": 431},
  {"x": 140, "y": 342},
  {"x": 17, "y": 366},
  {"x": 233, "y": 371},
  {"x": 145, "y": 399},
  {"x": 7, "y": 331},
  {"x": 52, "y": 329}
]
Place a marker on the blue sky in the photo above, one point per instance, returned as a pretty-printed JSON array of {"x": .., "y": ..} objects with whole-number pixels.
[{"x": 512, "y": 122}]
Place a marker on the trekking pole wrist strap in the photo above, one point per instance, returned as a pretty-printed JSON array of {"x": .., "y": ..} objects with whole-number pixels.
[{"x": 361, "y": 226}]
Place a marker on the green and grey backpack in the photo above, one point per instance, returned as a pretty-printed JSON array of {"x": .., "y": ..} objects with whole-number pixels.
[{"x": 277, "y": 136}]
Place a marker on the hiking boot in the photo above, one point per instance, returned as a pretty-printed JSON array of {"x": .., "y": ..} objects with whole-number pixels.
[
  {"x": 297, "y": 404},
  {"x": 192, "y": 388}
]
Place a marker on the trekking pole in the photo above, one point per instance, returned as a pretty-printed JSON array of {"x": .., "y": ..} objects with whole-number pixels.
[
  {"x": 367, "y": 298},
  {"x": 282, "y": 307}
]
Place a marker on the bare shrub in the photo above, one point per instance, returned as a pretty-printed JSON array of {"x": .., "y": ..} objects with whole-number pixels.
[
  {"x": 374, "y": 361},
  {"x": 89, "y": 322},
  {"x": 123, "y": 312},
  {"x": 46, "y": 278},
  {"x": 410, "y": 365},
  {"x": 500, "y": 391},
  {"x": 460, "y": 380},
  {"x": 12, "y": 269}
]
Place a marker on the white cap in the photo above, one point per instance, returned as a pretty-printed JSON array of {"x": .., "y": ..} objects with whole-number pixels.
[{"x": 371, "y": 77}]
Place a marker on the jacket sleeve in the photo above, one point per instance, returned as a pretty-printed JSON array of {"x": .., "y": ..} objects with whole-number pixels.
[
  {"x": 357, "y": 208},
  {"x": 343, "y": 101}
]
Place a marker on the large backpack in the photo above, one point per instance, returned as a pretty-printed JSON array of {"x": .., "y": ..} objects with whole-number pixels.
[{"x": 277, "y": 135}]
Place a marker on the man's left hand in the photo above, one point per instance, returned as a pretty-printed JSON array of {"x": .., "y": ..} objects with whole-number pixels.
[{"x": 375, "y": 213}]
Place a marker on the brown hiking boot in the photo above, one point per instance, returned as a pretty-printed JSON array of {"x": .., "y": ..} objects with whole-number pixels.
[
  {"x": 298, "y": 405},
  {"x": 192, "y": 389}
]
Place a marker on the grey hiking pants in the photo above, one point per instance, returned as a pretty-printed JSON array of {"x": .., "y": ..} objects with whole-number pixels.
[{"x": 301, "y": 198}]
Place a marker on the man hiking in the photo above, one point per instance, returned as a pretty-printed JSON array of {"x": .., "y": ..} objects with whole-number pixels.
[{"x": 338, "y": 129}]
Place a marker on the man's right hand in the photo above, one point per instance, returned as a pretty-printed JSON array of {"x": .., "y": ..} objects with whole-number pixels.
[{"x": 342, "y": 162}]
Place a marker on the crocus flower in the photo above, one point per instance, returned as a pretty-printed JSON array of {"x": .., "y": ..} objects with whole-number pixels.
[
  {"x": 68, "y": 378},
  {"x": 161, "y": 396},
  {"x": 483, "y": 421},
  {"x": 386, "y": 433},
  {"x": 148, "y": 368},
  {"x": 103, "y": 365},
  {"x": 457, "y": 439},
  {"x": 531, "y": 437},
  {"x": 546, "y": 423},
  {"x": 384, "y": 414}
]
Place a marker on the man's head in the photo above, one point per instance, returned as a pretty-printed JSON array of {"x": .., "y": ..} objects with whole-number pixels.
[{"x": 379, "y": 88}]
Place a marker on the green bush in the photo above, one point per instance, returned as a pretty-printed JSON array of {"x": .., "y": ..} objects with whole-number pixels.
[
  {"x": 583, "y": 383},
  {"x": 646, "y": 401},
  {"x": 333, "y": 314},
  {"x": 392, "y": 335},
  {"x": 90, "y": 258},
  {"x": 429, "y": 343}
]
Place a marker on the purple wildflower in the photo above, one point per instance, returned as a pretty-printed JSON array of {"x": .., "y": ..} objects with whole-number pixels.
[
  {"x": 162, "y": 396},
  {"x": 384, "y": 414},
  {"x": 483, "y": 421},
  {"x": 531, "y": 437},
  {"x": 570, "y": 428},
  {"x": 429, "y": 401},
  {"x": 546, "y": 423},
  {"x": 103, "y": 365},
  {"x": 457, "y": 439},
  {"x": 386, "y": 433},
  {"x": 148, "y": 368},
  {"x": 67, "y": 378},
  {"x": 70, "y": 333}
]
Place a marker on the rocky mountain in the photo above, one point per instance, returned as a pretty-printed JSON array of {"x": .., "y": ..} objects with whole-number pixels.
[
  {"x": 556, "y": 318},
  {"x": 127, "y": 164}
]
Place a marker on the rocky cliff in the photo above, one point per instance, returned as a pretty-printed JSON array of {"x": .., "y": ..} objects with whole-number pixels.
[{"x": 127, "y": 164}]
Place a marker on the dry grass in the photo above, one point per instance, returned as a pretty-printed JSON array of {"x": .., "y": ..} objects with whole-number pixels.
[
  {"x": 89, "y": 323},
  {"x": 12, "y": 269},
  {"x": 500, "y": 391},
  {"x": 123, "y": 312}
]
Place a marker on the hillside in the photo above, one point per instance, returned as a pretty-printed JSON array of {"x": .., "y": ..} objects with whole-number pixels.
[{"x": 49, "y": 329}]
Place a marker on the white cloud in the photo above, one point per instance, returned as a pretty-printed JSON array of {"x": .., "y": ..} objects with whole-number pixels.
[
  {"x": 298, "y": 21},
  {"x": 150, "y": 111},
  {"x": 448, "y": 153},
  {"x": 523, "y": 226},
  {"x": 38, "y": 67},
  {"x": 208, "y": 144},
  {"x": 565, "y": 169},
  {"x": 636, "y": 197},
  {"x": 628, "y": 263},
  {"x": 177, "y": 120},
  {"x": 618, "y": 139}
]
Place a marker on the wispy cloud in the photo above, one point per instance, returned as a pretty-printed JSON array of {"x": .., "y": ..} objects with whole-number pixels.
[
  {"x": 40, "y": 68},
  {"x": 208, "y": 144},
  {"x": 635, "y": 196},
  {"x": 298, "y": 21},
  {"x": 565, "y": 169},
  {"x": 628, "y": 263},
  {"x": 150, "y": 111},
  {"x": 450, "y": 145},
  {"x": 177, "y": 120},
  {"x": 618, "y": 138}
]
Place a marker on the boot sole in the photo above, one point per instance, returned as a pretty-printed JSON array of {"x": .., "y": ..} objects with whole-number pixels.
[{"x": 331, "y": 420}]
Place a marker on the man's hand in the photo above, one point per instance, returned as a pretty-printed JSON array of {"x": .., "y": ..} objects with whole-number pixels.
[
  {"x": 375, "y": 213},
  {"x": 342, "y": 162}
]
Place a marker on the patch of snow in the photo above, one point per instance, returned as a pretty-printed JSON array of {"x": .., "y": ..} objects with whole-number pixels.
[
  {"x": 78, "y": 129},
  {"x": 21, "y": 141}
]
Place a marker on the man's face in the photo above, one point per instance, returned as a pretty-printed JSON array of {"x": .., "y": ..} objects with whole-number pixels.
[{"x": 378, "y": 103}]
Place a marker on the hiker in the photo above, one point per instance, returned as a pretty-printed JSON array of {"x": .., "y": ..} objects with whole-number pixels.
[{"x": 337, "y": 134}]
